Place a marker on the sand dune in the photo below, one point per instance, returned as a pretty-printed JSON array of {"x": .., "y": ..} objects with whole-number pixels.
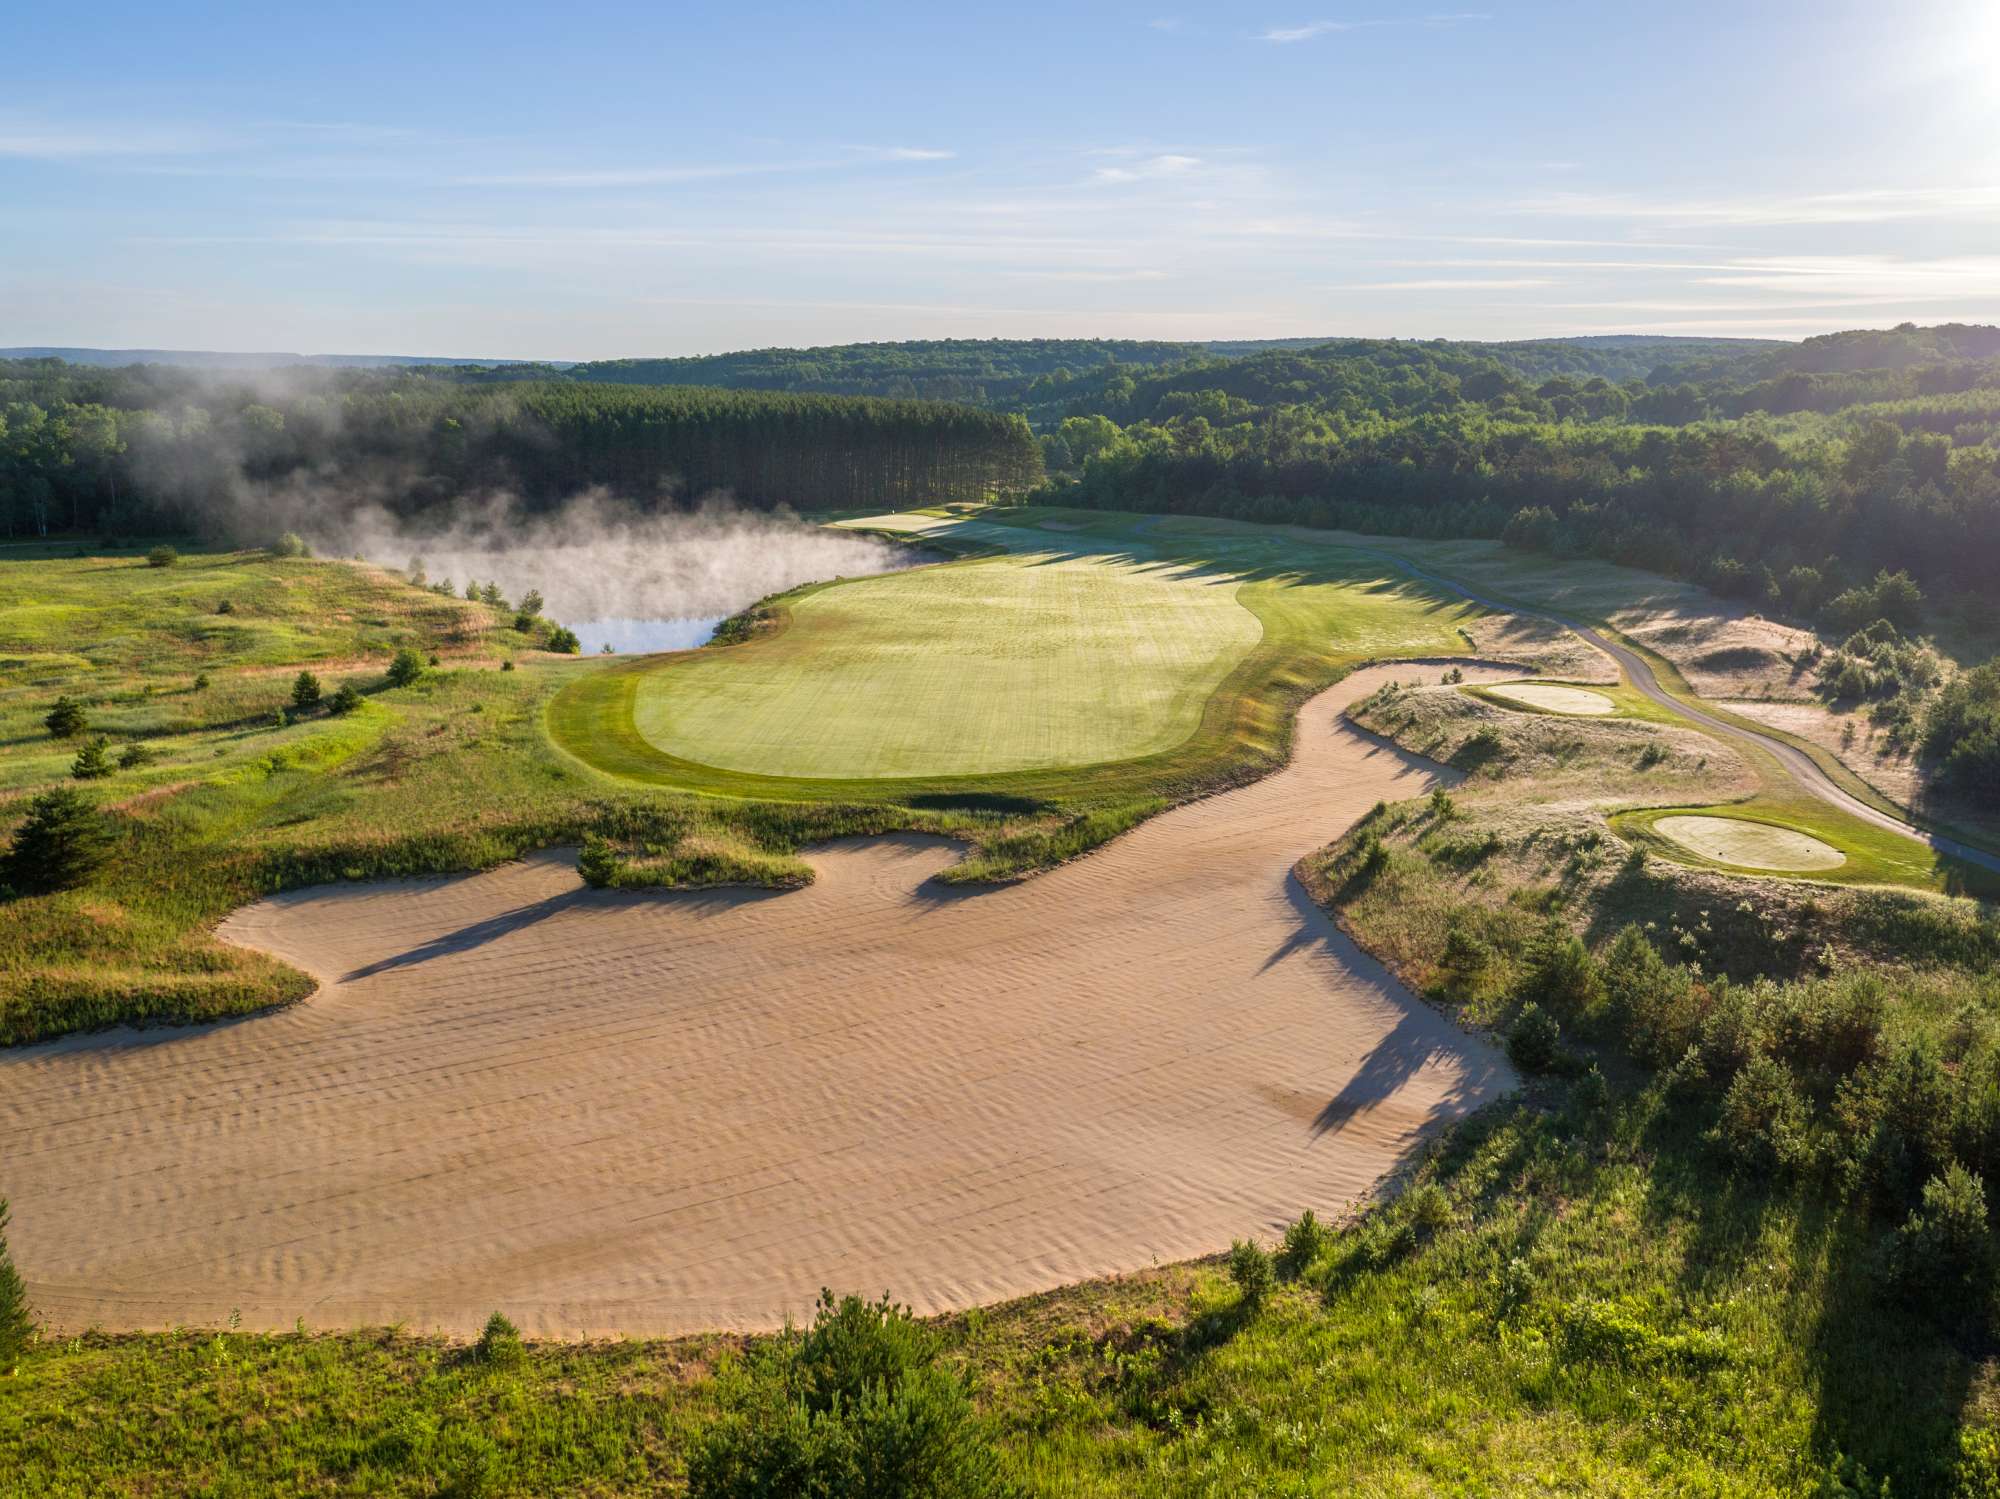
[{"x": 651, "y": 1113}]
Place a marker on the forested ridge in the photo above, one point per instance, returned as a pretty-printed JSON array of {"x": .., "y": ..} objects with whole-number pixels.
[{"x": 127, "y": 449}]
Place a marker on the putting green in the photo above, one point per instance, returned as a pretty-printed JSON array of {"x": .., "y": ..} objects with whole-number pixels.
[
  {"x": 1552, "y": 699},
  {"x": 1751, "y": 845},
  {"x": 1032, "y": 661}
]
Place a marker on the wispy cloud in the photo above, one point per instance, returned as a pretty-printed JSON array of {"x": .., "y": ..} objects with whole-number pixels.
[
  {"x": 1866, "y": 206},
  {"x": 671, "y": 174},
  {"x": 61, "y": 143},
  {"x": 1166, "y": 164},
  {"x": 1517, "y": 283},
  {"x": 906, "y": 153},
  {"x": 1307, "y": 31}
]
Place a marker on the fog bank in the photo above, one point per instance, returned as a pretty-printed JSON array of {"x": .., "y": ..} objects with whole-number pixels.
[{"x": 596, "y": 558}]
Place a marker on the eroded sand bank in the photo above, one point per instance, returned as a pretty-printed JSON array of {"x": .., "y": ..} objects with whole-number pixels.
[{"x": 654, "y": 1113}]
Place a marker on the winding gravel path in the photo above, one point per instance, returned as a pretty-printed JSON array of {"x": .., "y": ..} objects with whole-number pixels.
[{"x": 1796, "y": 763}]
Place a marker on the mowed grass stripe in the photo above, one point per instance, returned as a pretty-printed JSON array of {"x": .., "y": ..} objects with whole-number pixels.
[{"x": 1013, "y": 663}]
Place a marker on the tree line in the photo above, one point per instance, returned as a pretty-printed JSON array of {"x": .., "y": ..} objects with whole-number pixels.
[{"x": 133, "y": 449}]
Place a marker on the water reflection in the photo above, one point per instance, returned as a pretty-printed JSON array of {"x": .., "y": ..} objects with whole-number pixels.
[{"x": 628, "y": 637}]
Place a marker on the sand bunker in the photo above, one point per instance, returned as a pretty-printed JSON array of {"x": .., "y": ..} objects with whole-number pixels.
[
  {"x": 1751, "y": 845},
  {"x": 650, "y": 1113},
  {"x": 1551, "y": 699}
]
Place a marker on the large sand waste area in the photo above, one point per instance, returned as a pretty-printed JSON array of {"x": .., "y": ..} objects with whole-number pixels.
[{"x": 649, "y": 1113}]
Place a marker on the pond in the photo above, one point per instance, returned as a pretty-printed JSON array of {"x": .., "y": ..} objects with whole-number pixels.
[
  {"x": 640, "y": 583},
  {"x": 629, "y": 637}
]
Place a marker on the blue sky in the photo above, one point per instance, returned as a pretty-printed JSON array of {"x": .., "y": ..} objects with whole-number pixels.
[{"x": 593, "y": 180}]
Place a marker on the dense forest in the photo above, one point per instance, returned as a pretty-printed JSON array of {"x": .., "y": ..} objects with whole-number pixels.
[
  {"x": 85, "y": 449},
  {"x": 1843, "y": 480},
  {"x": 1041, "y": 376},
  {"x": 1789, "y": 478}
]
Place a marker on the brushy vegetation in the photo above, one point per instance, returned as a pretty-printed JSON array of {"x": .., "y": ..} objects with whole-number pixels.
[
  {"x": 863, "y": 1403},
  {"x": 1838, "y": 1050}
]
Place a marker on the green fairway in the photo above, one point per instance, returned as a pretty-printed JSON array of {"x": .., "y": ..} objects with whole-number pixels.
[
  {"x": 1100, "y": 659},
  {"x": 1016, "y": 663}
]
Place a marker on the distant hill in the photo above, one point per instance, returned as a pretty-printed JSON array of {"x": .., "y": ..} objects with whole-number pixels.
[
  {"x": 994, "y": 371},
  {"x": 203, "y": 359}
]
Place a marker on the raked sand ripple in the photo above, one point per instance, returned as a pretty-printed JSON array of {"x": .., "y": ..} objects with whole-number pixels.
[{"x": 653, "y": 1113}]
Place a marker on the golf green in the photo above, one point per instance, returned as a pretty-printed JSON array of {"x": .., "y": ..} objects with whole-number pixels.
[
  {"x": 1750, "y": 845},
  {"x": 1029, "y": 661}
]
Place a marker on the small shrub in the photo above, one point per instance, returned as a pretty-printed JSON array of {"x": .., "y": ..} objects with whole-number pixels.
[
  {"x": 1563, "y": 976},
  {"x": 863, "y": 1404},
  {"x": 135, "y": 757},
  {"x": 563, "y": 640},
  {"x": 524, "y": 622},
  {"x": 508, "y": 664},
  {"x": 225, "y": 607},
  {"x": 16, "y": 1325},
  {"x": 1443, "y": 808},
  {"x": 1482, "y": 749},
  {"x": 1453, "y": 677},
  {"x": 1251, "y": 1268},
  {"x": 93, "y": 761},
  {"x": 1466, "y": 959},
  {"x": 305, "y": 691},
  {"x": 1427, "y": 1210},
  {"x": 1659, "y": 1006},
  {"x": 1373, "y": 854},
  {"x": 291, "y": 544},
  {"x": 63, "y": 842},
  {"x": 66, "y": 719},
  {"x": 406, "y": 668},
  {"x": 499, "y": 1343},
  {"x": 1590, "y": 1095},
  {"x": 162, "y": 556},
  {"x": 597, "y": 862},
  {"x": 1942, "y": 1258},
  {"x": 1534, "y": 1040},
  {"x": 1765, "y": 1125},
  {"x": 346, "y": 698},
  {"x": 1305, "y": 1241}
]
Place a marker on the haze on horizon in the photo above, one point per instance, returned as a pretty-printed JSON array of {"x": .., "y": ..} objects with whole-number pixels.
[{"x": 613, "y": 179}]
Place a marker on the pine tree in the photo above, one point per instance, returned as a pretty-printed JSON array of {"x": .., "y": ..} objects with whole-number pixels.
[
  {"x": 65, "y": 720},
  {"x": 93, "y": 761},
  {"x": 16, "y": 1327},
  {"x": 305, "y": 691},
  {"x": 62, "y": 843}
]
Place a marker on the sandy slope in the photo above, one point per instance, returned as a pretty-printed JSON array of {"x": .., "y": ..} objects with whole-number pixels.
[{"x": 650, "y": 1113}]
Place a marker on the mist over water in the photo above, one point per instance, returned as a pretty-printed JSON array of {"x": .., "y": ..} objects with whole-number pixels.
[
  {"x": 627, "y": 637},
  {"x": 638, "y": 581}
]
